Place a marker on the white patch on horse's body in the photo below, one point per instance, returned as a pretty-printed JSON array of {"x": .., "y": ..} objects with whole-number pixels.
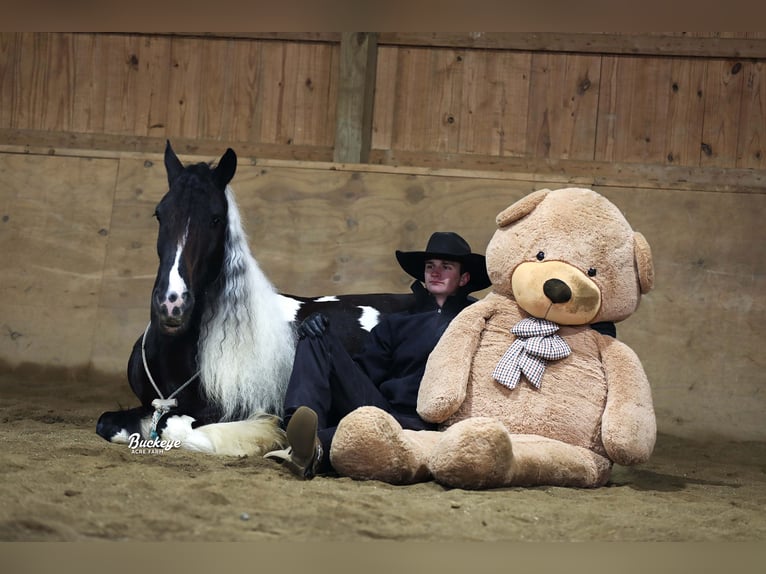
[
  {"x": 326, "y": 299},
  {"x": 123, "y": 437},
  {"x": 290, "y": 307},
  {"x": 369, "y": 318},
  {"x": 251, "y": 437},
  {"x": 246, "y": 348}
]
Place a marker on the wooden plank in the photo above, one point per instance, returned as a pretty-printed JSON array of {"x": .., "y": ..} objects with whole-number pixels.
[
  {"x": 57, "y": 113},
  {"x": 563, "y": 106},
  {"x": 744, "y": 46},
  {"x": 89, "y": 101},
  {"x": 95, "y": 145},
  {"x": 154, "y": 83},
  {"x": 29, "y": 98},
  {"x": 55, "y": 228},
  {"x": 269, "y": 125},
  {"x": 246, "y": 89},
  {"x": 387, "y": 161},
  {"x": 751, "y": 146},
  {"x": 184, "y": 89},
  {"x": 8, "y": 77},
  {"x": 581, "y": 172},
  {"x": 316, "y": 85},
  {"x": 408, "y": 119},
  {"x": 325, "y": 37},
  {"x": 122, "y": 84},
  {"x": 723, "y": 100},
  {"x": 429, "y": 106},
  {"x": 215, "y": 90},
  {"x": 495, "y": 102},
  {"x": 385, "y": 97},
  {"x": 356, "y": 91},
  {"x": 686, "y": 108},
  {"x": 457, "y": 102},
  {"x": 633, "y": 110},
  {"x": 287, "y": 104},
  {"x": 692, "y": 44}
]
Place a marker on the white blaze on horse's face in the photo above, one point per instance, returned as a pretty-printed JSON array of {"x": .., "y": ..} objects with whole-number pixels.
[{"x": 177, "y": 292}]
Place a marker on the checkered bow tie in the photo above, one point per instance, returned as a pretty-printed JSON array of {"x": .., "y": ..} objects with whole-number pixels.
[{"x": 536, "y": 343}]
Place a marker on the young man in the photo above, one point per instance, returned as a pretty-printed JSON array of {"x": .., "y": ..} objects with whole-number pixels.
[{"x": 327, "y": 384}]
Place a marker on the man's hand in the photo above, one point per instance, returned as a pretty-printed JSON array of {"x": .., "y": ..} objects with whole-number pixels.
[{"x": 313, "y": 326}]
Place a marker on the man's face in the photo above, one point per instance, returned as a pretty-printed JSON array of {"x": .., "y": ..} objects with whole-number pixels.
[{"x": 443, "y": 277}]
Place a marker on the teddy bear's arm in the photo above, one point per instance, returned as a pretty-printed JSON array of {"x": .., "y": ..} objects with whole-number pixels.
[
  {"x": 628, "y": 425},
  {"x": 444, "y": 383}
]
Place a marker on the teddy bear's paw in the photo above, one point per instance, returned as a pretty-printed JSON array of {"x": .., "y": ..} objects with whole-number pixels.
[
  {"x": 474, "y": 453},
  {"x": 369, "y": 444}
]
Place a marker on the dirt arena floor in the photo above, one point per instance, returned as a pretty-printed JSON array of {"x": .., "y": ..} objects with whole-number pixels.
[{"x": 61, "y": 482}]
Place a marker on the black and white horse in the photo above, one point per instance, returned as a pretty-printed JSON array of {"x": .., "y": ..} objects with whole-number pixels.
[{"x": 212, "y": 366}]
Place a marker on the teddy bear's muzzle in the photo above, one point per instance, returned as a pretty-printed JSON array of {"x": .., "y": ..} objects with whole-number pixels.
[{"x": 556, "y": 291}]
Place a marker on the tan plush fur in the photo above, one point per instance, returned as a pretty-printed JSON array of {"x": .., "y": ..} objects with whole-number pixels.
[{"x": 593, "y": 408}]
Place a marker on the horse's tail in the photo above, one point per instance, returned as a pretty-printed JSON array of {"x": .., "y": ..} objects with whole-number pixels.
[{"x": 254, "y": 436}]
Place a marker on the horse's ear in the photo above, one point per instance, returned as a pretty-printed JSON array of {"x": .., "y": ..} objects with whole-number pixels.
[
  {"x": 173, "y": 165},
  {"x": 225, "y": 169}
]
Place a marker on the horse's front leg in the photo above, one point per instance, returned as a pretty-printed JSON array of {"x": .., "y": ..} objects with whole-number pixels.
[{"x": 118, "y": 426}]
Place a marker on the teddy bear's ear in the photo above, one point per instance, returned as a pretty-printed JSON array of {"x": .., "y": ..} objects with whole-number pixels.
[
  {"x": 522, "y": 207},
  {"x": 644, "y": 262}
]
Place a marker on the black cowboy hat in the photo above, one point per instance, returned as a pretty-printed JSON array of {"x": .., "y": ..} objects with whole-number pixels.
[{"x": 450, "y": 246}]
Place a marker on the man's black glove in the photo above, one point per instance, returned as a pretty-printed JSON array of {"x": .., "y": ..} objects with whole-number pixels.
[{"x": 313, "y": 326}]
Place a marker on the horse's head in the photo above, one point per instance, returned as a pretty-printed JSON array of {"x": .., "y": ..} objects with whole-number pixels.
[{"x": 191, "y": 240}]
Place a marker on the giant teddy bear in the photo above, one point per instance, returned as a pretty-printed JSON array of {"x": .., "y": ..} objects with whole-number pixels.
[{"x": 524, "y": 390}]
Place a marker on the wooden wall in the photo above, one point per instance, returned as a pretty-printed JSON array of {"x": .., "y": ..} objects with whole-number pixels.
[
  {"x": 671, "y": 128},
  {"x": 477, "y": 101}
]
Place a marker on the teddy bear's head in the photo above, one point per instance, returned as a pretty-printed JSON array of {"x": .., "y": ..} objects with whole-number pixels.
[{"x": 569, "y": 256}]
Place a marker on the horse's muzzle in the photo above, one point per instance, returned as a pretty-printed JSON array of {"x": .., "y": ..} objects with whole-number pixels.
[{"x": 173, "y": 310}]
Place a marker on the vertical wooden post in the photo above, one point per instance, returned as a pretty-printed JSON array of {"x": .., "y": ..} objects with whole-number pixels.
[{"x": 356, "y": 92}]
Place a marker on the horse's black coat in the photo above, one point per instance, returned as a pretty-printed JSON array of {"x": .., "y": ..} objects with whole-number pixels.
[{"x": 190, "y": 247}]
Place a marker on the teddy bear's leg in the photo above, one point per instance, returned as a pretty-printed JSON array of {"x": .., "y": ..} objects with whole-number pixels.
[
  {"x": 473, "y": 453},
  {"x": 538, "y": 460},
  {"x": 369, "y": 444},
  {"x": 480, "y": 453}
]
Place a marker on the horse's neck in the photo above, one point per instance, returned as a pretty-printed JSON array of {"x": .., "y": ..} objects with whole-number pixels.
[{"x": 172, "y": 360}]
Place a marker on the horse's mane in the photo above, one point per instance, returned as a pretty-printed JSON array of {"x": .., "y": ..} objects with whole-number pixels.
[{"x": 246, "y": 347}]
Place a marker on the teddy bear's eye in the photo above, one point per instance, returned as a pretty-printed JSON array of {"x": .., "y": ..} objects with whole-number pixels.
[
  {"x": 540, "y": 255},
  {"x": 592, "y": 272}
]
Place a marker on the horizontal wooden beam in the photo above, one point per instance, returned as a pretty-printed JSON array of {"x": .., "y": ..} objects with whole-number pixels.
[
  {"x": 582, "y": 172},
  {"x": 326, "y": 37},
  {"x": 564, "y": 172},
  {"x": 626, "y": 44},
  {"x": 679, "y": 44},
  {"x": 41, "y": 141}
]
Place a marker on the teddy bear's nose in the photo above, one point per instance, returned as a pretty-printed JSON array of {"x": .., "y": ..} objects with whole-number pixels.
[{"x": 557, "y": 291}]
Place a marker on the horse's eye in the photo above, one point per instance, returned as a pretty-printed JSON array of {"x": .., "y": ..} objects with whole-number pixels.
[
  {"x": 592, "y": 272},
  {"x": 215, "y": 221},
  {"x": 540, "y": 255}
]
